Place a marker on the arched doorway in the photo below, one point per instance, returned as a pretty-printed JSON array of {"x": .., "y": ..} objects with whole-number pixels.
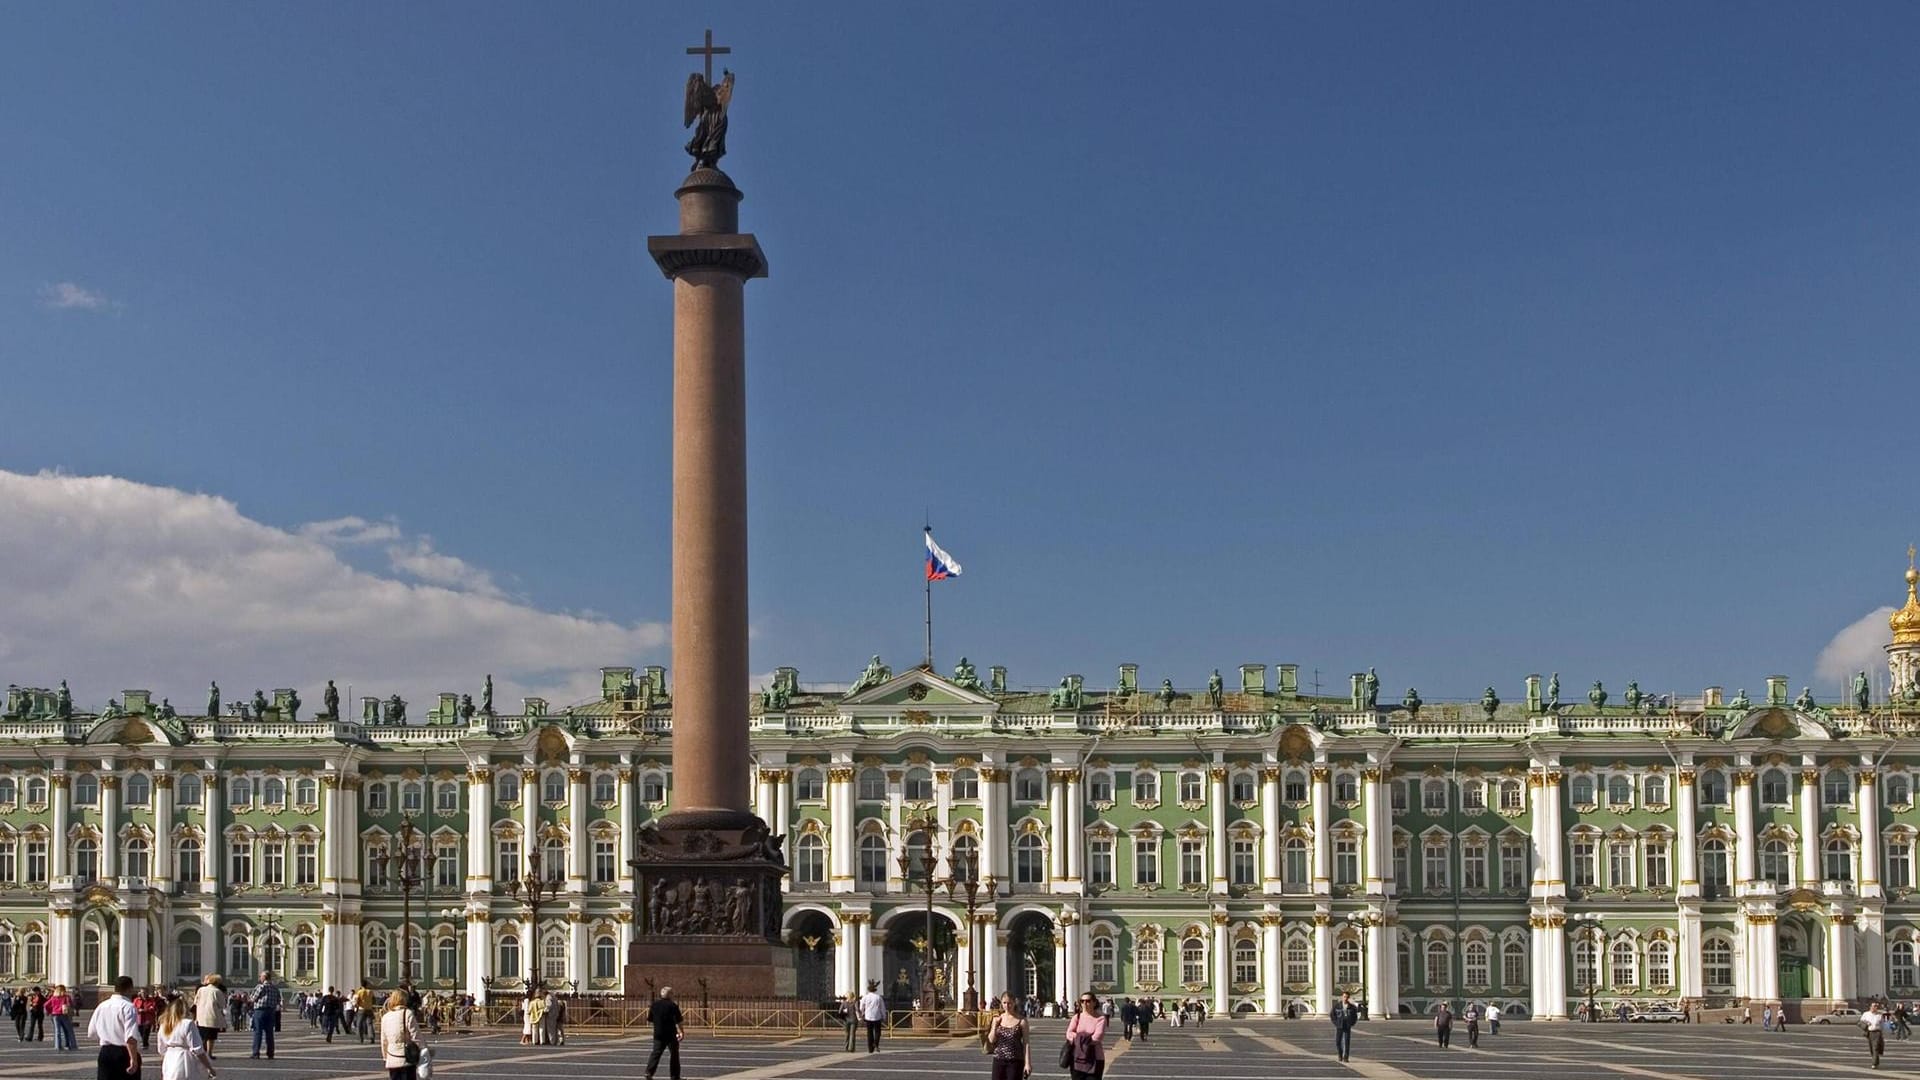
[
  {"x": 917, "y": 976},
  {"x": 811, "y": 935},
  {"x": 1801, "y": 957},
  {"x": 1030, "y": 952}
]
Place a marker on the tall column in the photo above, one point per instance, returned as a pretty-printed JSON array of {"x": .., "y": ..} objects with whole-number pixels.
[
  {"x": 1688, "y": 952},
  {"x": 1553, "y": 998},
  {"x": 163, "y": 868},
  {"x": 843, "y": 946},
  {"x": 579, "y": 953},
  {"x": 213, "y": 854},
  {"x": 1076, "y": 838},
  {"x": 1763, "y": 957},
  {"x": 1744, "y": 838},
  {"x": 1272, "y": 964},
  {"x": 1810, "y": 827},
  {"x": 1553, "y": 835},
  {"x": 110, "y": 828},
  {"x": 1222, "y": 964},
  {"x": 1843, "y": 983},
  {"x": 530, "y": 820},
  {"x": 782, "y": 821},
  {"x": 1270, "y": 830},
  {"x": 1383, "y": 978},
  {"x": 709, "y": 262},
  {"x": 1872, "y": 977},
  {"x": 1379, "y": 841},
  {"x": 1324, "y": 990},
  {"x": 1322, "y": 824},
  {"x": 994, "y": 841},
  {"x": 1688, "y": 842},
  {"x": 136, "y": 951},
  {"x": 1077, "y": 969},
  {"x": 763, "y": 793},
  {"x": 896, "y": 822},
  {"x": 1217, "y": 828},
  {"x": 840, "y": 836},
  {"x": 479, "y": 842},
  {"x": 993, "y": 951},
  {"x": 1866, "y": 800},
  {"x": 1062, "y": 973},
  {"x": 577, "y": 833},
  {"x": 1057, "y": 823},
  {"x": 62, "y": 850},
  {"x": 629, "y": 794}
]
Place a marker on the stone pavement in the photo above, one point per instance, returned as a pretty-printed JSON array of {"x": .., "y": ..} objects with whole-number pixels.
[{"x": 1230, "y": 1050}]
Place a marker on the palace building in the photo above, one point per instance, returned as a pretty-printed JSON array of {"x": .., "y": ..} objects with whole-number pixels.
[{"x": 1244, "y": 844}]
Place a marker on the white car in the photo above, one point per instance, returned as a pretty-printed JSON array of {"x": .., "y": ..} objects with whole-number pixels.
[
  {"x": 1841, "y": 1015},
  {"x": 1659, "y": 1014}
]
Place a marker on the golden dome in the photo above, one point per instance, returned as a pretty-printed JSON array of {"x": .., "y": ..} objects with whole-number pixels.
[{"x": 1906, "y": 622}]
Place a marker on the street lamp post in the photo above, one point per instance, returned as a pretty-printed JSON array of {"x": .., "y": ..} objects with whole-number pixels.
[
  {"x": 405, "y": 866},
  {"x": 272, "y": 955},
  {"x": 930, "y": 991},
  {"x": 976, "y": 891},
  {"x": 534, "y": 889},
  {"x": 1361, "y": 922},
  {"x": 1590, "y": 931}
]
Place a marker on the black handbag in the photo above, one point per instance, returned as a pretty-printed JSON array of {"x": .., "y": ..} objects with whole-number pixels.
[
  {"x": 413, "y": 1053},
  {"x": 1066, "y": 1054}
]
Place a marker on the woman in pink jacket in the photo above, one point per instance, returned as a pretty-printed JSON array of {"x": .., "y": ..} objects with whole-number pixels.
[{"x": 1086, "y": 1035}]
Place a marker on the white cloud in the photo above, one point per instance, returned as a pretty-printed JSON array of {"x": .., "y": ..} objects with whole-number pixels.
[
  {"x": 67, "y": 296},
  {"x": 112, "y": 584},
  {"x": 1859, "y": 647},
  {"x": 344, "y": 531}
]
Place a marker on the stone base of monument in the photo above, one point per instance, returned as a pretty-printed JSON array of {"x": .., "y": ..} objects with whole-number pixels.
[
  {"x": 707, "y": 894},
  {"x": 929, "y": 1020}
]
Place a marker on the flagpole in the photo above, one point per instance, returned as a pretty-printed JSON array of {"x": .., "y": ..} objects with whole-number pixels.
[{"x": 928, "y": 664}]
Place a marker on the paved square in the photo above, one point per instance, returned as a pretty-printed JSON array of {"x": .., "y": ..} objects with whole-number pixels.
[{"x": 1257, "y": 1050}]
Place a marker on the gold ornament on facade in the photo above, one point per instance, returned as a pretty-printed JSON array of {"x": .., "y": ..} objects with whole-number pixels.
[
  {"x": 1809, "y": 777},
  {"x": 1905, "y": 623},
  {"x": 1217, "y": 774},
  {"x": 1371, "y": 776},
  {"x": 840, "y": 774}
]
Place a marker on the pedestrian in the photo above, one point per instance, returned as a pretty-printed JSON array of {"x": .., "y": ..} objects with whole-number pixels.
[
  {"x": 535, "y": 1029},
  {"x": 1766, "y": 1018},
  {"x": 210, "y": 1011},
  {"x": 668, "y": 1029},
  {"x": 1874, "y": 1023},
  {"x": 1443, "y": 1026},
  {"x": 1473, "y": 1025},
  {"x": 182, "y": 1055},
  {"x": 1493, "y": 1019},
  {"x": 331, "y": 1008},
  {"x": 146, "y": 1005},
  {"x": 1345, "y": 1015},
  {"x": 363, "y": 1013},
  {"x": 265, "y": 1013},
  {"x": 1007, "y": 1040},
  {"x": 1087, "y": 1034},
  {"x": 1129, "y": 1013},
  {"x": 17, "y": 1010},
  {"x": 557, "y": 1020},
  {"x": 399, "y": 1038},
  {"x": 60, "y": 1007},
  {"x": 850, "y": 1017},
  {"x": 873, "y": 1013},
  {"x": 1145, "y": 1011},
  {"x": 116, "y": 1026}
]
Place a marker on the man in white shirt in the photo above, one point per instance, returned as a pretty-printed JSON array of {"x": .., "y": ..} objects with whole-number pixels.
[
  {"x": 116, "y": 1024},
  {"x": 873, "y": 1011},
  {"x": 1493, "y": 1019},
  {"x": 1874, "y": 1023}
]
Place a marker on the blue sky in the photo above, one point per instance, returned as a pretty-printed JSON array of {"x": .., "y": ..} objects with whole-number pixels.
[{"x": 1464, "y": 341}]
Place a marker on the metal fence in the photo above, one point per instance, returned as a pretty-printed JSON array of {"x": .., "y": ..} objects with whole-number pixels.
[{"x": 786, "y": 1016}]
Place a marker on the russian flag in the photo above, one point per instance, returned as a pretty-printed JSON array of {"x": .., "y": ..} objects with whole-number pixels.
[{"x": 940, "y": 565}]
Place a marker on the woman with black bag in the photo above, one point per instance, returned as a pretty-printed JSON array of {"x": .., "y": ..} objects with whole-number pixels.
[
  {"x": 1085, "y": 1054},
  {"x": 399, "y": 1038},
  {"x": 1006, "y": 1041}
]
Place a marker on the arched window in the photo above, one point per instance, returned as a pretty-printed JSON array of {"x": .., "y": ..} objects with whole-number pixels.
[
  {"x": 1439, "y": 965},
  {"x": 187, "y": 954},
  {"x": 1146, "y": 786},
  {"x": 1193, "y": 786},
  {"x": 965, "y": 858},
  {"x": 1713, "y": 787},
  {"x": 1029, "y": 786},
  {"x": 873, "y": 859},
  {"x": 1659, "y": 964},
  {"x": 1836, "y": 789},
  {"x": 139, "y": 790},
  {"x": 446, "y": 957},
  {"x": 1299, "y": 963},
  {"x": 189, "y": 791},
  {"x": 1104, "y": 959},
  {"x": 273, "y": 792},
  {"x": 1623, "y": 973},
  {"x": 86, "y": 790},
  {"x": 1293, "y": 786},
  {"x": 1512, "y": 795},
  {"x": 1433, "y": 796},
  {"x": 377, "y": 958},
  {"x": 605, "y": 787},
  {"x": 8, "y": 953},
  {"x": 93, "y": 947},
  {"x": 810, "y": 785},
  {"x": 1293, "y": 872},
  {"x": 1246, "y": 962},
  {"x": 1899, "y": 790},
  {"x": 1584, "y": 969},
  {"x": 240, "y": 957},
  {"x": 1776, "y": 862},
  {"x": 509, "y": 950},
  {"x": 810, "y": 860},
  {"x": 553, "y": 787},
  {"x": 1242, "y": 787},
  {"x": 1029, "y": 864},
  {"x": 36, "y": 791},
  {"x": 306, "y": 791},
  {"x": 1839, "y": 862},
  {"x": 1656, "y": 789},
  {"x": 606, "y": 952},
  {"x": 553, "y": 957},
  {"x": 34, "y": 954},
  {"x": 239, "y": 791},
  {"x": 1580, "y": 790},
  {"x": 1901, "y": 960},
  {"x": 9, "y": 793},
  {"x": 873, "y": 785},
  {"x": 1403, "y": 961},
  {"x": 1773, "y": 788},
  {"x": 139, "y": 858},
  {"x": 1620, "y": 790},
  {"x": 553, "y": 858},
  {"x": 86, "y": 860},
  {"x": 653, "y": 788},
  {"x": 1346, "y": 964},
  {"x": 506, "y": 786},
  {"x": 1146, "y": 962},
  {"x": 1193, "y": 961},
  {"x": 1513, "y": 966},
  {"x": 1713, "y": 864},
  {"x": 966, "y": 786},
  {"x": 1476, "y": 969},
  {"x": 187, "y": 862},
  {"x": 306, "y": 957},
  {"x": 920, "y": 864},
  {"x": 918, "y": 785}
]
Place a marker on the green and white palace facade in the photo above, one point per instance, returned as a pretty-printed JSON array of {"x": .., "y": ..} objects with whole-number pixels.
[{"x": 1246, "y": 844}]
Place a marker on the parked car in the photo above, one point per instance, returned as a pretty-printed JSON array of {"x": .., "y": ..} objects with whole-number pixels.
[
  {"x": 1842, "y": 1015},
  {"x": 1659, "y": 1014}
]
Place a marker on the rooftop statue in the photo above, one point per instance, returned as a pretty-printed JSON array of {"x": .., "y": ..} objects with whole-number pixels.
[
  {"x": 1597, "y": 696},
  {"x": 293, "y": 706},
  {"x": 875, "y": 674},
  {"x": 707, "y": 104},
  {"x": 1216, "y": 688},
  {"x": 370, "y": 711},
  {"x": 1166, "y": 692},
  {"x": 629, "y": 690},
  {"x": 467, "y": 708},
  {"x": 396, "y": 710},
  {"x": 1740, "y": 700},
  {"x": 63, "y": 702},
  {"x": 1633, "y": 696},
  {"x": 259, "y": 704},
  {"x": 213, "y": 699},
  {"x": 1489, "y": 703},
  {"x": 1804, "y": 702},
  {"x": 1412, "y": 701},
  {"x": 1862, "y": 692},
  {"x": 112, "y": 710},
  {"x": 330, "y": 701},
  {"x": 166, "y": 711},
  {"x": 776, "y": 698},
  {"x": 1371, "y": 698},
  {"x": 486, "y": 696},
  {"x": 965, "y": 675},
  {"x": 1553, "y": 692}
]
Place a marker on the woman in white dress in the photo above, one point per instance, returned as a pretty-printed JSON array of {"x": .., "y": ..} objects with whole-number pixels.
[{"x": 184, "y": 1054}]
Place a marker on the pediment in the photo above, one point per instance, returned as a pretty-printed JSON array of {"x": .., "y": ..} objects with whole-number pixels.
[
  {"x": 131, "y": 730},
  {"x": 918, "y": 688},
  {"x": 1775, "y": 722}
]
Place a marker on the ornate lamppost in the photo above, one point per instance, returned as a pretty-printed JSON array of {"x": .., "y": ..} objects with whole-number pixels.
[
  {"x": 1362, "y": 922},
  {"x": 272, "y": 955},
  {"x": 1590, "y": 932},
  {"x": 405, "y": 866},
  {"x": 534, "y": 889},
  {"x": 930, "y": 990},
  {"x": 974, "y": 891}
]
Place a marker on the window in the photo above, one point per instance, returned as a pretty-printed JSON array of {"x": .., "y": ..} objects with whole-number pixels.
[
  {"x": 1713, "y": 788},
  {"x": 306, "y": 956},
  {"x": 1580, "y": 790},
  {"x": 377, "y": 867},
  {"x": 1346, "y": 860},
  {"x": 1899, "y": 790},
  {"x": 1513, "y": 966},
  {"x": 306, "y": 792},
  {"x": 1246, "y": 962},
  {"x": 1473, "y": 796},
  {"x": 446, "y": 865},
  {"x": 1346, "y": 787},
  {"x": 964, "y": 860},
  {"x": 1100, "y": 787},
  {"x": 9, "y": 874},
  {"x": 606, "y": 788},
  {"x": 1146, "y": 787},
  {"x": 36, "y": 791},
  {"x": 920, "y": 857},
  {"x": 1243, "y": 789},
  {"x": 1193, "y": 862},
  {"x": 9, "y": 796},
  {"x": 139, "y": 855},
  {"x": 1105, "y": 966},
  {"x": 1655, "y": 850},
  {"x": 1146, "y": 962},
  {"x": 1434, "y": 859},
  {"x": 1773, "y": 788},
  {"x": 1473, "y": 866},
  {"x": 1900, "y": 861},
  {"x": 918, "y": 785},
  {"x": 1241, "y": 871},
  {"x": 1193, "y": 961},
  {"x": 553, "y": 858},
  {"x": 92, "y": 944},
  {"x": 1100, "y": 862},
  {"x": 1585, "y": 867},
  {"x": 34, "y": 954},
  {"x": 1397, "y": 795},
  {"x": 187, "y": 861},
  {"x": 306, "y": 861},
  {"x": 509, "y": 948},
  {"x": 86, "y": 859},
  {"x": 553, "y": 787},
  {"x": 1623, "y": 973},
  {"x": 273, "y": 793},
  {"x": 240, "y": 957},
  {"x": 1513, "y": 795},
  {"x": 1837, "y": 788},
  {"x": 1839, "y": 860},
  {"x": 273, "y": 862},
  {"x": 1776, "y": 862},
  {"x": 506, "y": 788},
  {"x": 1029, "y": 864},
  {"x": 1439, "y": 964},
  {"x": 446, "y": 797},
  {"x": 186, "y": 954},
  {"x": 36, "y": 862},
  {"x": 1901, "y": 961},
  {"x": 1713, "y": 864},
  {"x": 446, "y": 958},
  {"x": 1620, "y": 864},
  {"x": 1476, "y": 964},
  {"x": 379, "y": 797},
  {"x": 1513, "y": 865},
  {"x": 1192, "y": 788},
  {"x": 1656, "y": 789},
  {"x": 873, "y": 859},
  {"x": 1346, "y": 963},
  {"x": 873, "y": 785},
  {"x": 1299, "y": 962},
  {"x": 1146, "y": 860},
  {"x": 413, "y": 795},
  {"x": 1400, "y": 871},
  {"x": 139, "y": 790},
  {"x": 1294, "y": 863},
  {"x": 1029, "y": 786},
  {"x": 809, "y": 859},
  {"x": 86, "y": 790},
  {"x": 653, "y": 788},
  {"x": 606, "y": 952},
  {"x": 506, "y": 857},
  {"x": 1620, "y": 790},
  {"x": 553, "y": 957},
  {"x": 1293, "y": 787},
  {"x": 1659, "y": 964},
  {"x": 1433, "y": 796},
  {"x": 1583, "y": 965},
  {"x": 810, "y": 785},
  {"x": 966, "y": 786}
]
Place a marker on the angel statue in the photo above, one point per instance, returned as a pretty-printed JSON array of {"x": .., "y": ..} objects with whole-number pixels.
[{"x": 707, "y": 103}]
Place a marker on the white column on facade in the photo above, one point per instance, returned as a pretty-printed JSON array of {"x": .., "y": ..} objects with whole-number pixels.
[
  {"x": 163, "y": 838},
  {"x": 896, "y": 821},
  {"x": 63, "y": 962},
  {"x": 629, "y": 780},
  {"x": 1270, "y": 830},
  {"x": 763, "y": 796},
  {"x": 1871, "y": 978},
  {"x": 1078, "y": 970},
  {"x": 1843, "y": 982},
  {"x": 1217, "y": 827},
  {"x": 1743, "y": 838},
  {"x": 992, "y": 957},
  {"x": 480, "y": 954},
  {"x": 1763, "y": 958},
  {"x": 1553, "y": 835},
  {"x": 1272, "y": 964},
  {"x": 1688, "y": 956},
  {"x": 994, "y": 840},
  {"x": 1056, "y": 823},
  {"x": 577, "y": 833},
  {"x": 1553, "y": 996},
  {"x": 840, "y": 836},
  {"x": 1323, "y": 989},
  {"x": 213, "y": 851},
  {"x": 530, "y": 821},
  {"x": 1810, "y": 826},
  {"x": 479, "y": 837},
  {"x": 1322, "y": 826},
  {"x": 579, "y": 952},
  {"x": 61, "y": 853},
  {"x": 1383, "y": 981},
  {"x": 136, "y": 951},
  {"x": 1688, "y": 841},
  {"x": 782, "y": 822},
  {"x": 1075, "y": 840},
  {"x": 1062, "y": 971},
  {"x": 1866, "y": 801},
  {"x": 1222, "y": 965},
  {"x": 110, "y": 827},
  {"x": 943, "y": 804},
  {"x": 1379, "y": 845}
]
